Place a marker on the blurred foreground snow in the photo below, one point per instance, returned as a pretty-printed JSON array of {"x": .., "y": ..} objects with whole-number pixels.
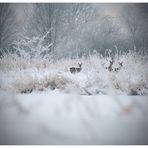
[{"x": 53, "y": 117}]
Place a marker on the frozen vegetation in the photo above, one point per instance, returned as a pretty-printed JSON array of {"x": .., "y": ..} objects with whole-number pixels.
[
  {"x": 41, "y": 102},
  {"x": 22, "y": 74}
]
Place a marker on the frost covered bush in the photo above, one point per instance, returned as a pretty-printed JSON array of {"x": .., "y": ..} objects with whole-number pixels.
[
  {"x": 28, "y": 52},
  {"x": 34, "y": 47},
  {"x": 25, "y": 75},
  {"x": 132, "y": 78}
]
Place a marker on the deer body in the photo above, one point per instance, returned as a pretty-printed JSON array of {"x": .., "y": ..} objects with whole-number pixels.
[
  {"x": 76, "y": 69},
  {"x": 110, "y": 66},
  {"x": 120, "y": 65}
]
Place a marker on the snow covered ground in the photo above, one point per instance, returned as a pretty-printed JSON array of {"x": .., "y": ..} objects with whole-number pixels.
[
  {"x": 41, "y": 102},
  {"x": 53, "y": 117}
]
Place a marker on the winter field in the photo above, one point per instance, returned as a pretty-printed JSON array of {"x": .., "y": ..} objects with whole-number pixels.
[
  {"x": 73, "y": 73},
  {"x": 42, "y": 102}
]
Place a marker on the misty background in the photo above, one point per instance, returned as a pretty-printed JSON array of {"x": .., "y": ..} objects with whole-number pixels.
[{"x": 73, "y": 29}]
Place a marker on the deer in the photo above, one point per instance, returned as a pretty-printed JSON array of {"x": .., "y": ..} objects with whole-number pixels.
[
  {"x": 120, "y": 65},
  {"x": 76, "y": 69},
  {"x": 110, "y": 66}
]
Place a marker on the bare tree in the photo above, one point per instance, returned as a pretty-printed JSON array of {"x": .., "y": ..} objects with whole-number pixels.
[
  {"x": 135, "y": 22},
  {"x": 76, "y": 29},
  {"x": 43, "y": 21},
  {"x": 109, "y": 30},
  {"x": 7, "y": 25}
]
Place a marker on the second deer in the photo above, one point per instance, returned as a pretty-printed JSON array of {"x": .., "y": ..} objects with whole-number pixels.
[{"x": 76, "y": 69}]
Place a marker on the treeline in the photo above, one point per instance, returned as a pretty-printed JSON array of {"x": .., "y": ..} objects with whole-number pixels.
[{"x": 75, "y": 29}]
